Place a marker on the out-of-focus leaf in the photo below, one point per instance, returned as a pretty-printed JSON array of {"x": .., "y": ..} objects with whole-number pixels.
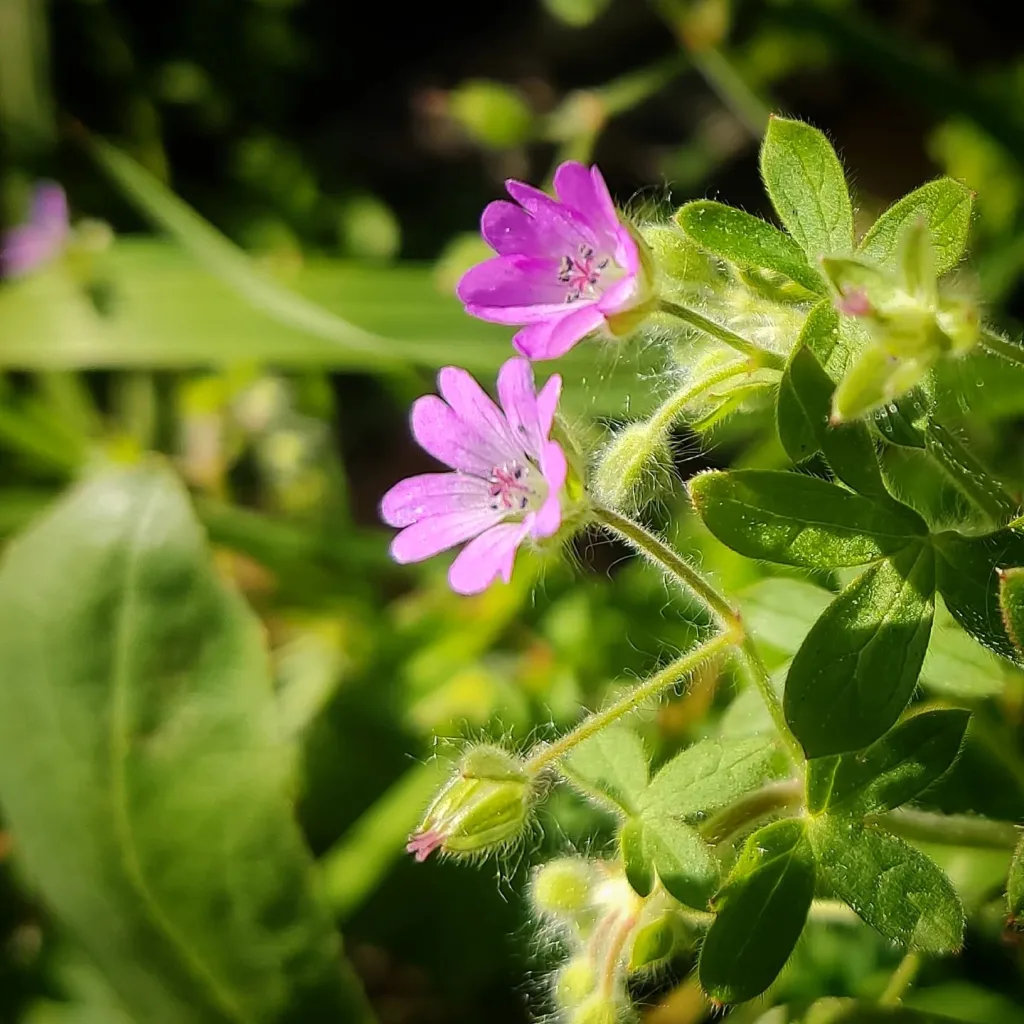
[
  {"x": 635, "y": 857},
  {"x": 141, "y": 769},
  {"x": 1015, "y": 884},
  {"x": 684, "y": 862}
]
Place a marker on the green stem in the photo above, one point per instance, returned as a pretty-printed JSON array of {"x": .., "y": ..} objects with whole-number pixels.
[
  {"x": 997, "y": 345},
  {"x": 663, "y": 556},
  {"x": 669, "y": 411},
  {"x": 732, "y": 90},
  {"x": 669, "y": 676},
  {"x": 752, "y": 808},
  {"x": 902, "y": 978},
  {"x": 969, "y": 474},
  {"x": 760, "y": 356},
  {"x": 950, "y": 829}
]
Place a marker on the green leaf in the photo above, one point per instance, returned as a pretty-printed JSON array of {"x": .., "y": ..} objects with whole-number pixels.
[
  {"x": 957, "y": 665},
  {"x": 761, "y": 913},
  {"x": 635, "y": 857},
  {"x": 795, "y": 519},
  {"x": 747, "y": 241},
  {"x": 805, "y": 406},
  {"x": 858, "y": 666},
  {"x": 1011, "y": 601},
  {"x": 141, "y": 770},
  {"x": 902, "y": 422},
  {"x": 967, "y": 575},
  {"x": 611, "y": 765},
  {"x": 893, "y": 887},
  {"x": 780, "y": 611},
  {"x": 711, "y": 774},
  {"x": 1015, "y": 884},
  {"x": 944, "y": 204},
  {"x": 685, "y": 864},
  {"x": 902, "y": 764},
  {"x": 807, "y": 187}
]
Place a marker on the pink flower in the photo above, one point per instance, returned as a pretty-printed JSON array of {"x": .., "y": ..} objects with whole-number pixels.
[
  {"x": 42, "y": 237},
  {"x": 564, "y": 266},
  {"x": 507, "y": 482}
]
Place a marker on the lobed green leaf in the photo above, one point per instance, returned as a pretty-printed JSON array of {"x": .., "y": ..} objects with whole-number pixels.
[
  {"x": 685, "y": 863},
  {"x": 795, "y": 519},
  {"x": 612, "y": 764},
  {"x": 806, "y": 184},
  {"x": 858, "y": 666},
  {"x": 902, "y": 764},
  {"x": 892, "y": 886},
  {"x": 761, "y": 913},
  {"x": 747, "y": 241},
  {"x": 945, "y": 205}
]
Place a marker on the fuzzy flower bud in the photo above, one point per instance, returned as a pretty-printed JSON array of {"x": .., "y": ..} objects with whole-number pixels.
[
  {"x": 486, "y": 804},
  {"x": 598, "y": 1009},
  {"x": 562, "y": 888}
]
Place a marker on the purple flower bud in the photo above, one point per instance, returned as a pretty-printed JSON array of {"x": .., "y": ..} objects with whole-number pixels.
[{"x": 41, "y": 238}]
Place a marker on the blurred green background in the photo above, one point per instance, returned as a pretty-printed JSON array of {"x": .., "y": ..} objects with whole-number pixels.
[{"x": 349, "y": 148}]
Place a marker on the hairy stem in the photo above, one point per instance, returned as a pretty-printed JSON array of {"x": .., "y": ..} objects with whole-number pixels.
[
  {"x": 760, "y": 356},
  {"x": 902, "y": 978},
  {"x": 997, "y": 345},
  {"x": 671, "y": 562},
  {"x": 672, "y": 408},
  {"x": 753, "y": 807},
  {"x": 669, "y": 676},
  {"x": 950, "y": 829}
]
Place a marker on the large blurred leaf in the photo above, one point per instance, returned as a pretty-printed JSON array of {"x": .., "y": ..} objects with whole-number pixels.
[{"x": 141, "y": 771}]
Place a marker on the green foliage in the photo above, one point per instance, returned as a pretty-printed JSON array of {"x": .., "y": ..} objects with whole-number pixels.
[
  {"x": 760, "y": 913},
  {"x": 945, "y": 206},
  {"x": 794, "y": 519},
  {"x": 136, "y": 686},
  {"x": 895, "y": 769},
  {"x": 807, "y": 187},
  {"x": 685, "y": 864},
  {"x": 896, "y": 889},
  {"x": 1015, "y": 885},
  {"x": 858, "y": 666},
  {"x": 612, "y": 764},
  {"x": 747, "y": 241}
]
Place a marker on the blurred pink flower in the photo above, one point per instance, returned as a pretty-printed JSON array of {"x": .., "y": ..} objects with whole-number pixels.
[
  {"x": 41, "y": 238},
  {"x": 564, "y": 266},
  {"x": 507, "y": 482}
]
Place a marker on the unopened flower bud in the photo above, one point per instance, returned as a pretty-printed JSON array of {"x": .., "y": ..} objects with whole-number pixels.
[
  {"x": 635, "y": 466},
  {"x": 562, "y": 887},
  {"x": 484, "y": 805},
  {"x": 598, "y": 1009},
  {"x": 574, "y": 983}
]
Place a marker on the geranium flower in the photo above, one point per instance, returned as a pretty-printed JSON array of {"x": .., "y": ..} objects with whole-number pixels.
[
  {"x": 564, "y": 268},
  {"x": 507, "y": 480},
  {"x": 41, "y": 238}
]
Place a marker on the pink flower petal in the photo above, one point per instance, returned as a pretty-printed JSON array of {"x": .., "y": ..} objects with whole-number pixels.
[
  {"x": 433, "y": 494},
  {"x": 474, "y": 407},
  {"x": 570, "y": 329},
  {"x": 619, "y": 297},
  {"x": 487, "y": 557},
  {"x": 627, "y": 254},
  {"x": 508, "y": 229},
  {"x": 518, "y": 395},
  {"x": 428, "y": 537},
  {"x": 441, "y": 433},
  {"x": 586, "y": 192},
  {"x": 25, "y": 248},
  {"x": 513, "y": 289},
  {"x": 571, "y": 227},
  {"x": 533, "y": 339},
  {"x": 554, "y": 468},
  {"x": 50, "y": 208},
  {"x": 547, "y": 403}
]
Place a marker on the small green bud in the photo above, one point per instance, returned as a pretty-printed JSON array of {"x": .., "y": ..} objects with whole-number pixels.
[
  {"x": 875, "y": 379},
  {"x": 562, "y": 887},
  {"x": 598, "y": 1009},
  {"x": 485, "y": 804},
  {"x": 574, "y": 983},
  {"x": 492, "y": 113}
]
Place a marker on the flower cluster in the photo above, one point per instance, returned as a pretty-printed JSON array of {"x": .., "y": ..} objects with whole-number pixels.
[{"x": 565, "y": 267}]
